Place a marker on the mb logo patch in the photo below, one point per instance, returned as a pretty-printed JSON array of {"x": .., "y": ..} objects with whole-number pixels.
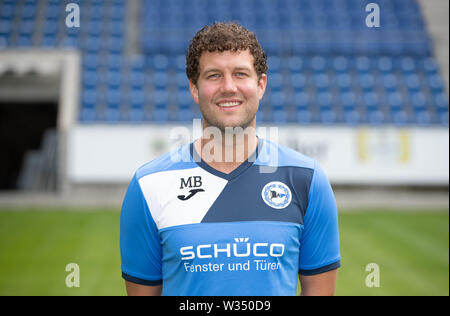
[{"x": 191, "y": 182}]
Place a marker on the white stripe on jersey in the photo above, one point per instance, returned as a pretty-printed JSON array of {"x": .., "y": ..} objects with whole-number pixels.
[{"x": 161, "y": 191}]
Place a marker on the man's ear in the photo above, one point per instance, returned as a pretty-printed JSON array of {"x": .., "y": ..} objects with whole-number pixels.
[
  {"x": 262, "y": 84},
  {"x": 194, "y": 91}
]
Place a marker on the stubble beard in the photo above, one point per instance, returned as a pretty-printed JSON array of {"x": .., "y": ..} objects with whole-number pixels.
[{"x": 211, "y": 121}]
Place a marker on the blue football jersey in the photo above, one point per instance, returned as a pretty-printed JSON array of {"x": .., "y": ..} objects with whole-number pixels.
[{"x": 199, "y": 231}]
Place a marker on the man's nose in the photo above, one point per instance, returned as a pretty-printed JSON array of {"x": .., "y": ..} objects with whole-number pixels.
[{"x": 228, "y": 84}]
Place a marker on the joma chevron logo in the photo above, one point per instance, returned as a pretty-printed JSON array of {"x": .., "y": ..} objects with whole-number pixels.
[{"x": 192, "y": 193}]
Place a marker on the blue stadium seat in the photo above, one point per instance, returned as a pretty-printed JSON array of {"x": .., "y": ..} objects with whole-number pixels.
[
  {"x": 351, "y": 117},
  {"x": 137, "y": 80},
  {"x": 113, "y": 98},
  {"x": 160, "y": 114},
  {"x": 318, "y": 64},
  {"x": 7, "y": 12},
  {"x": 389, "y": 82},
  {"x": 180, "y": 63},
  {"x": 280, "y": 116},
  {"x": 400, "y": 117},
  {"x": 371, "y": 101},
  {"x": 113, "y": 62},
  {"x": 348, "y": 101},
  {"x": 435, "y": 83},
  {"x": 418, "y": 101},
  {"x": 322, "y": 81},
  {"x": 430, "y": 65},
  {"x": 136, "y": 115},
  {"x": 298, "y": 81},
  {"x": 183, "y": 98},
  {"x": 363, "y": 64},
  {"x": 90, "y": 79},
  {"x": 112, "y": 114},
  {"x": 95, "y": 28},
  {"x": 443, "y": 118},
  {"x": 25, "y": 41},
  {"x": 160, "y": 62},
  {"x": 395, "y": 101},
  {"x": 295, "y": 64},
  {"x": 92, "y": 45},
  {"x": 5, "y": 29},
  {"x": 114, "y": 79},
  {"x": 301, "y": 100},
  {"x": 260, "y": 115},
  {"x": 137, "y": 64},
  {"x": 116, "y": 12},
  {"x": 278, "y": 99},
  {"x": 341, "y": 64},
  {"x": 440, "y": 101},
  {"x": 412, "y": 82},
  {"x": 375, "y": 117},
  {"x": 89, "y": 98},
  {"x": 422, "y": 117},
  {"x": 384, "y": 64},
  {"x": 408, "y": 64},
  {"x": 366, "y": 82},
  {"x": 324, "y": 100},
  {"x": 275, "y": 81},
  {"x": 51, "y": 28},
  {"x": 304, "y": 116},
  {"x": 185, "y": 113},
  {"x": 4, "y": 41},
  {"x": 87, "y": 115},
  {"x": 114, "y": 45},
  {"x": 137, "y": 99},
  {"x": 181, "y": 80},
  {"x": 49, "y": 41},
  {"x": 91, "y": 61},
  {"x": 160, "y": 98},
  {"x": 327, "y": 117},
  {"x": 160, "y": 79},
  {"x": 274, "y": 64},
  {"x": 53, "y": 12},
  {"x": 26, "y": 28},
  {"x": 343, "y": 82},
  {"x": 172, "y": 45}
]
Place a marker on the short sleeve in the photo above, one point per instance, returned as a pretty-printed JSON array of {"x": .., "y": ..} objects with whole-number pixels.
[
  {"x": 319, "y": 243},
  {"x": 140, "y": 246}
]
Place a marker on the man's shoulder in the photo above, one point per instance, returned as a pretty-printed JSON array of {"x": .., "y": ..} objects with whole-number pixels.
[
  {"x": 276, "y": 155},
  {"x": 177, "y": 159}
]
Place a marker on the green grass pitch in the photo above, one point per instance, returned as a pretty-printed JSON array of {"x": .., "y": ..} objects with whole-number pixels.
[{"x": 410, "y": 248}]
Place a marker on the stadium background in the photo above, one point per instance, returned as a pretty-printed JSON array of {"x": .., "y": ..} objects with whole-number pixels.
[{"x": 82, "y": 107}]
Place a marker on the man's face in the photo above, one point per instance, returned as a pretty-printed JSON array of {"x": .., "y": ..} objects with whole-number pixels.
[{"x": 228, "y": 90}]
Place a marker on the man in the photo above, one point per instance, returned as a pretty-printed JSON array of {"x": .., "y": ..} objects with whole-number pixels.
[{"x": 241, "y": 215}]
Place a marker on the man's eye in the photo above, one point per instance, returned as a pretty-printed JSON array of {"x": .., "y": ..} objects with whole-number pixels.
[
  {"x": 241, "y": 74},
  {"x": 213, "y": 76}
]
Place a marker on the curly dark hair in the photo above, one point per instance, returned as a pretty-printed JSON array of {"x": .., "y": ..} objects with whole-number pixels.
[{"x": 220, "y": 37}]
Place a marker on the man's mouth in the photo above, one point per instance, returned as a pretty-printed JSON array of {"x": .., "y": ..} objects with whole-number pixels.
[{"x": 229, "y": 104}]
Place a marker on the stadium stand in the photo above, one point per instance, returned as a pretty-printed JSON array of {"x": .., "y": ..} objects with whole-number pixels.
[{"x": 325, "y": 65}]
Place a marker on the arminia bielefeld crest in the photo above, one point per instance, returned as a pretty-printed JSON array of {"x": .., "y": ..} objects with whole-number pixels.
[{"x": 276, "y": 194}]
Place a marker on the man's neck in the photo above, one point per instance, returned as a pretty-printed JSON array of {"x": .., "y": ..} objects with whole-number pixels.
[{"x": 228, "y": 152}]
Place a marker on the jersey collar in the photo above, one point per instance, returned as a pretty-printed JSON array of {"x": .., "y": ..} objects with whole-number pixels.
[{"x": 233, "y": 174}]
